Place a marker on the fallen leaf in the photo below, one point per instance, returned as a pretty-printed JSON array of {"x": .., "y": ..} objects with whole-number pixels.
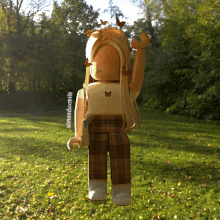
[
  {"x": 156, "y": 217},
  {"x": 175, "y": 168},
  {"x": 50, "y": 194},
  {"x": 171, "y": 195},
  {"x": 49, "y": 208},
  {"x": 167, "y": 162}
]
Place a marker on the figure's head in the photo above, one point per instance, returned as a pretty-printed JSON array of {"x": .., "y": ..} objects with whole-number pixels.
[
  {"x": 106, "y": 64},
  {"x": 108, "y": 49}
]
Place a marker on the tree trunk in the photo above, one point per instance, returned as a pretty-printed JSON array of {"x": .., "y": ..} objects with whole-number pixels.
[
  {"x": 11, "y": 87},
  {"x": 38, "y": 85},
  {"x": 34, "y": 81}
]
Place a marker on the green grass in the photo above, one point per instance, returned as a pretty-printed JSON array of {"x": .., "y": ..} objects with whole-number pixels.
[
  {"x": 35, "y": 109},
  {"x": 175, "y": 168}
]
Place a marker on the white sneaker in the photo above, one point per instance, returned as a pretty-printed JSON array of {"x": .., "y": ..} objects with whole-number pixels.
[
  {"x": 122, "y": 199},
  {"x": 121, "y": 194},
  {"x": 97, "y": 189}
]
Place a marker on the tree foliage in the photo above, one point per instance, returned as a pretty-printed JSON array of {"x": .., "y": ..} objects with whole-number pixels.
[
  {"x": 185, "y": 77},
  {"x": 51, "y": 52},
  {"x": 182, "y": 60}
]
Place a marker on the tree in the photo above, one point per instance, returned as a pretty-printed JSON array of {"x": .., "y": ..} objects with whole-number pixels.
[
  {"x": 24, "y": 36},
  {"x": 68, "y": 47},
  {"x": 185, "y": 77},
  {"x": 14, "y": 29}
]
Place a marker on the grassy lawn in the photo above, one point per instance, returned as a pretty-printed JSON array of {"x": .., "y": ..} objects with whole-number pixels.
[{"x": 175, "y": 169}]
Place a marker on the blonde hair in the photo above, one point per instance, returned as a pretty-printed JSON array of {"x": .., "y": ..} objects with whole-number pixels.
[{"x": 115, "y": 37}]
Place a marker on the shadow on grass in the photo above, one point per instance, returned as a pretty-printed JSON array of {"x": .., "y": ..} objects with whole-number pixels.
[
  {"x": 155, "y": 166},
  {"x": 153, "y": 124},
  {"x": 147, "y": 135},
  {"x": 28, "y": 146}
]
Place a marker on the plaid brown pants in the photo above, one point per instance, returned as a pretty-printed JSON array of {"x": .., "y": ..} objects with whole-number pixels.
[{"x": 104, "y": 136}]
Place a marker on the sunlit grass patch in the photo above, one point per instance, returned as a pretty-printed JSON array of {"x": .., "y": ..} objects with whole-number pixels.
[{"x": 174, "y": 167}]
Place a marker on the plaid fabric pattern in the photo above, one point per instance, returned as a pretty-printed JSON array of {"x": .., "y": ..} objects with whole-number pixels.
[
  {"x": 106, "y": 123},
  {"x": 104, "y": 136}
]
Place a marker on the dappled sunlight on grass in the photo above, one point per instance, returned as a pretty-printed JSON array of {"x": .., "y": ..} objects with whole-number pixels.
[{"x": 174, "y": 167}]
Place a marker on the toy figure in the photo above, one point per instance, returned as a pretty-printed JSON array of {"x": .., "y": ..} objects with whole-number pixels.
[{"x": 111, "y": 95}]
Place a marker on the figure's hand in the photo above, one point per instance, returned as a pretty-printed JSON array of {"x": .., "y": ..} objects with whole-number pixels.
[
  {"x": 144, "y": 41},
  {"x": 73, "y": 141}
]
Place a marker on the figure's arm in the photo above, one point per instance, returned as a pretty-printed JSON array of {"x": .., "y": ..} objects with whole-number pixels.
[
  {"x": 79, "y": 114},
  {"x": 137, "y": 76}
]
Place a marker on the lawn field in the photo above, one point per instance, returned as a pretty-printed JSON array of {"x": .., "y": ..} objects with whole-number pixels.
[{"x": 175, "y": 169}]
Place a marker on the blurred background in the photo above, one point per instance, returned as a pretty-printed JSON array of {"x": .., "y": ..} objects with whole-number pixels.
[{"x": 42, "y": 52}]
